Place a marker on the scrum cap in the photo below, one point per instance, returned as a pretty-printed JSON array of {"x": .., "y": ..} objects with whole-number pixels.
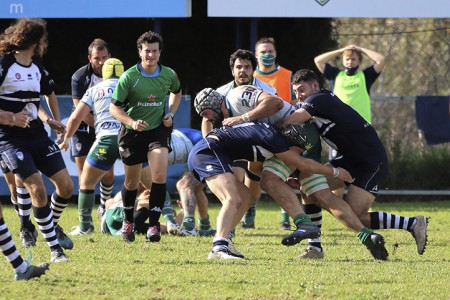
[
  {"x": 295, "y": 135},
  {"x": 208, "y": 98},
  {"x": 112, "y": 67}
]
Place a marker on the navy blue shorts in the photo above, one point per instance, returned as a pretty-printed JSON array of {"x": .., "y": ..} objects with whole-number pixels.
[
  {"x": 134, "y": 145},
  {"x": 81, "y": 142},
  {"x": 243, "y": 164},
  {"x": 366, "y": 176},
  {"x": 3, "y": 166},
  {"x": 28, "y": 156},
  {"x": 204, "y": 162}
]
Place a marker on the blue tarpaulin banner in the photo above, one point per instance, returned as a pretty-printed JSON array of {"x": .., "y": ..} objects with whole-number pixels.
[{"x": 433, "y": 118}]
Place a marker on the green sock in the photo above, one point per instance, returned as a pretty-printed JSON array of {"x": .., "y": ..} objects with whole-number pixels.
[
  {"x": 303, "y": 219},
  {"x": 364, "y": 235},
  {"x": 86, "y": 199},
  {"x": 284, "y": 216},
  {"x": 204, "y": 224},
  {"x": 189, "y": 222},
  {"x": 167, "y": 210}
]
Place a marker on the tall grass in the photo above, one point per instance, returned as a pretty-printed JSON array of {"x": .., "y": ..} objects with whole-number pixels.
[{"x": 105, "y": 267}]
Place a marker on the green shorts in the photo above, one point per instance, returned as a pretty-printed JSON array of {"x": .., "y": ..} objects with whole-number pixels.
[{"x": 104, "y": 152}]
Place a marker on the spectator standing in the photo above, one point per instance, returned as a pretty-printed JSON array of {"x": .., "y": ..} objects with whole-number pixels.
[
  {"x": 350, "y": 85},
  {"x": 280, "y": 78},
  {"x": 272, "y": 73}
]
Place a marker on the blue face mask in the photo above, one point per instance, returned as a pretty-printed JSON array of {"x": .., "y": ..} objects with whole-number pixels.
[
  {"x": 267, "y": 59},
  {"x": 351, "y": 71}
]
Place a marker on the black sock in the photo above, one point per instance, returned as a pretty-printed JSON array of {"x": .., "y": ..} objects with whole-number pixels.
[
  {"x": 128, "y": 198},
  {"x": 140, "y": 216},
  {"x": 157, "y": 199}
]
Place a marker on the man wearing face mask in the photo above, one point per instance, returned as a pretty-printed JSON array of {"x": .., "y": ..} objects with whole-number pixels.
[
  {"x": 272, "y": 73},
  {"x": 351, "y": 85},
  {"x": 278, "y": 77}
]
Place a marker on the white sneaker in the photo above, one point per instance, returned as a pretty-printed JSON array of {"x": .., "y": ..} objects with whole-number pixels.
[
  {"x": 173, "y": 228},
  {"x": 419, "y": 232},
  {"x": 232, "y": 249},
  {"x": 77, "y": 231},
  {"x": 311, "y": 253},
  {"x": 185, "y": 232},
  {"x": 58, "y": 256},
  {"x": 222, "y": 254}
]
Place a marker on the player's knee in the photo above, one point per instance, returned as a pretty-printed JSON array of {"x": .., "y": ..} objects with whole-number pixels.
[{"x": 66, "y": 188}]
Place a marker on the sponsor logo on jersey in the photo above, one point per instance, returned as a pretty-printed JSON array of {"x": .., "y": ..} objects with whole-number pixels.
[
  {"x": 53, "y": 148},
  {"x": 102, "y": 151},
  {"x": 18, "y": 76},
  {"x": 108, "y": 125},
  {"x": 19, "y": 155},
  {"x": 149, "y": 104},
  {"x": 151, "y": 98},
  {"x": 209, "y": 168}
]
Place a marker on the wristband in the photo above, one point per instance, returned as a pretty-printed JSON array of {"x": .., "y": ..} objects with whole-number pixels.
[
  {"x": 13, "y": 120},
  {"x": 335, "y": 172},
  {"x": 246, "y": 117},
  {"x": 135, "y": 124},
  {"x": 171, "y": 114},
  {"x": 66, "y": 141}
]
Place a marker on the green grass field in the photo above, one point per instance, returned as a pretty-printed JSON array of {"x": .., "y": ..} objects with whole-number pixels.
[{"x": 105, "y": 267}]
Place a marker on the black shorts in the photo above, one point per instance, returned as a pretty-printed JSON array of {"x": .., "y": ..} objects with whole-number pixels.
[
  {"x": 27, "y": 156},
  {"x": 81, "y": 142},
  {"x": 134, "y": 145}
]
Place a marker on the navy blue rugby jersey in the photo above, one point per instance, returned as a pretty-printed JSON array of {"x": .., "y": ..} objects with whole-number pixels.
[
  {"x": 343, "y": 128},
  {"x": 248, "y": 141}
]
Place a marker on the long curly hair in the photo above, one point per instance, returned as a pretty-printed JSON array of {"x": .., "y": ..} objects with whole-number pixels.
[{"x": 22, "y": 34}]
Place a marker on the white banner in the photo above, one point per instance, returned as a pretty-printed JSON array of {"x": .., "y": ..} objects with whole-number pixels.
[{"x": 330, "y": 8}]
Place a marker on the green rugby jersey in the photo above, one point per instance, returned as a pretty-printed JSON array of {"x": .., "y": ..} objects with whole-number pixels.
[
  {"x": 314, "y": 147},
  {"x": 145, "y": 97}
]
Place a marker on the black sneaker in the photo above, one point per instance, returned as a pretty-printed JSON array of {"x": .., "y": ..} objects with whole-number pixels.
[
  {"x": 127, "y": 232},
  {"x": 285, "y": 225},
  {"x": 245, "y": 225},
  {"x": 304, "y": 231},
  {"x": 153, "y": 234},
  {"x": 28, "y": 238},
  {"x": 63, "y": 240},
  {"x": 32, "y": 272},
  {"x": 376, "y": 247}
]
